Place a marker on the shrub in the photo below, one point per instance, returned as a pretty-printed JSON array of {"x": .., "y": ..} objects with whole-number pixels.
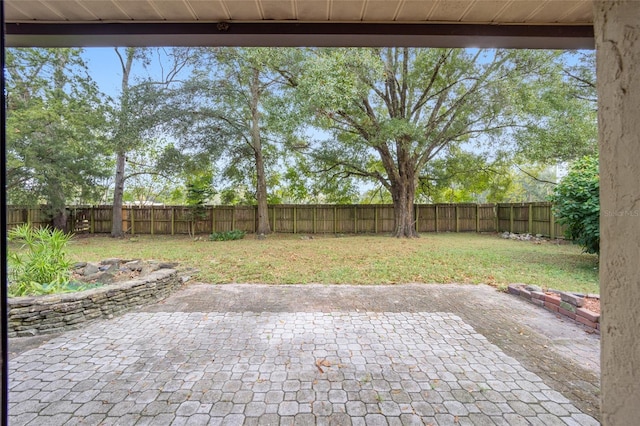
[
  {"x": 41, "y": 265},
  {"x": 236, "y": 234},
  {"x": 577, "y": 204}
]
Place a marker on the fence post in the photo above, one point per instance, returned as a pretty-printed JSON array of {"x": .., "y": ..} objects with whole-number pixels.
[
  {"x": 552, "y": 223},
  {"x": 295, "y": 220},
  {"x": 511, "y": 218},
  {"x": 213, "y": 219},
  {"x": 315, "y": 219},
  {"x": 152, "y": 222},
  {"x": 133, "y": 221},
  {"x": 233, "y": 218},
  {"x": 255, "y": 217},
  {"x": 375, "y": 219},
  {"x": 436, "y": 227},
  {"x": 496, "y": 209},
  {"x": 355, "y": 219},
  {"x": 335, "y": 220},
  {"x": 274, "y": 219},
  {"x": 457, "y": 219},
  {"x": 173, "y": 221},
  {"x": 416, "y": 213},
  {"x": 92, "y": 221},
  {"x": 477, "y": 217},
  {"x": 530, "y": 218}
]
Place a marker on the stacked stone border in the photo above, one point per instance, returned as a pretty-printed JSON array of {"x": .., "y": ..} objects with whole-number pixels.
[
  {"x": 31, "y": 316},
  {"x": 569, "y": 305}
]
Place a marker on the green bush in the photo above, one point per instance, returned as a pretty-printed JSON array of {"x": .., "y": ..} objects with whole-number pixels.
[
  {"x": 236, "y": 234},
  {"x": 577, "y": 204},
  {"x": 40, "y": 265}
]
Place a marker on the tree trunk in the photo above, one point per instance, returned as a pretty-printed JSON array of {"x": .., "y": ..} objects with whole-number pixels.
[
  {"x": 121, "y": 154},
  {"x": 59, "y": 220},
  {"x": 403, "y": 194},
  {"x": 261, "y": 180},
  {"x": 118, "y": 192},
  {"x": 261, "y": 194}
]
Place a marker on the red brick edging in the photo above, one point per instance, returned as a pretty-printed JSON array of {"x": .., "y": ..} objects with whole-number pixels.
[{"x": 567, "y": 304}]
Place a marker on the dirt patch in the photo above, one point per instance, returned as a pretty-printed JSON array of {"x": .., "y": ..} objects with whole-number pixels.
[{"x": 592, "y": 304}]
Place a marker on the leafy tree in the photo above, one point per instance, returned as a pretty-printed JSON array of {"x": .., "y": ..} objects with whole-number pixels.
[
  {"x": 149, "y": 177},
  {"x": 559, "y": 111},
  {"x": 240, "y": 105},
  {"x": 303, "y": 182},
  {"x": 199, "y": 190},
  {"x": 394, "y": 110},
  {"x": 55, "y": 130},
  {"x": 140, "y": 113},
  {"x": 463, "y": 177},
  {"x": 577, "y": 204}
]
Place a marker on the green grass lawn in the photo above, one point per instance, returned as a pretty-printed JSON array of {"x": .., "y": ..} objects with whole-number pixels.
[{"x": 433, "y": 258}]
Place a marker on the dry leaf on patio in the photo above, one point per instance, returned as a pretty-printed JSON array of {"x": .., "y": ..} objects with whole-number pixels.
[{"x": 322, "y": 363}]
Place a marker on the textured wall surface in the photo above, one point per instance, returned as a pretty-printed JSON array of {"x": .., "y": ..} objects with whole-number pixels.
[
  {"x": 617, "y": 29},
  {"x": 30, "y": 316}
]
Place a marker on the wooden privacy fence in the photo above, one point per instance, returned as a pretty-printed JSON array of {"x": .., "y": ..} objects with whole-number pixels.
[{"x": 532, "y": 218}]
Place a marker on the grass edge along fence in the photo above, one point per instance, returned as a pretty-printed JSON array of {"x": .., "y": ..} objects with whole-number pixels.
[{"x": 519, "y": 218}]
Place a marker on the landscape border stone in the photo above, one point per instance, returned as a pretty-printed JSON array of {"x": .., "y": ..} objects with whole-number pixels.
[
  {"x": 34, "y": 315},
  {"x": 569, "y": 305}
]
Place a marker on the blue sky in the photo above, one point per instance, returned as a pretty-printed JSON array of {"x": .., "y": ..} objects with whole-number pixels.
[{"x": 105, "y": 69}]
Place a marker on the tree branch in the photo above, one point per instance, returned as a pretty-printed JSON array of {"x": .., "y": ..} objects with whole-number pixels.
[{"x": 534, "y": 177}]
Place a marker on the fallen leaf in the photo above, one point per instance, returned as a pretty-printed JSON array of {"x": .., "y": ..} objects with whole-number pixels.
[{"x": 322, "y": 363}]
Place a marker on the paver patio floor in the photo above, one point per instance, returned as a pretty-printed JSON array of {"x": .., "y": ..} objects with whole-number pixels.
[{"x": 307, "y": 355}]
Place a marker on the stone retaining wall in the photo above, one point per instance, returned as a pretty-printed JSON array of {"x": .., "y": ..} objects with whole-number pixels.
[{"x": 30, "y": 316}]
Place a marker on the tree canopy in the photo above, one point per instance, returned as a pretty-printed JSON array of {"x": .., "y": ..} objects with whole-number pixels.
[
  {"x": 56, "y": 130},
  {"x": 393, "y": 111},
  {"x": 398, "y": 125}
]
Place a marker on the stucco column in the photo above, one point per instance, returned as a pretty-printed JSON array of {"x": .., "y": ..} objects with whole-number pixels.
[{"x": 617, "y": 32}]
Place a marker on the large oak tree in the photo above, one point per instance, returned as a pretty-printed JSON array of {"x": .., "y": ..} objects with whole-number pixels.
[{"x": 393, "y": 110}]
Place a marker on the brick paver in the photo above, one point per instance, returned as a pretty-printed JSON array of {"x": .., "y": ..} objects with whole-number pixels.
[{"x": 272, "y": 368}]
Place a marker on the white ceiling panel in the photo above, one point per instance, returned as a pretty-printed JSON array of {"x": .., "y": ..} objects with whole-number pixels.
[
  {"x": 381, "y": 10},
  {"x": 13, "y": 9},
  {"x": 71, "y": 10},
  {"x": 484, "y": 11},
  {"x": 471, "y": 11},
  {"x": 244, "y": 10},
  {"x": 178, "y": 10},
  {"x": 583, "y": 12},
  {"x": 278, "y": 10},
  {"x": 347, "y": 10},
  {"x": 105, "y": 10},
  {"x": 555, "y": 11},
  {"x": 450, "y": 11},
  {"x": 209, "y": 10},
  {"x": 414, "y": 10},
  {"x": 141, "y": 10},
  {"x": 518, "y": 11},
  {"x": 38, "y": 10},
  {"x": 312, "y": 10}
]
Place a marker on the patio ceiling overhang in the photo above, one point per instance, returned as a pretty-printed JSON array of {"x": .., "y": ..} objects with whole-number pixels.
[{"x": 565, "y": 24}]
